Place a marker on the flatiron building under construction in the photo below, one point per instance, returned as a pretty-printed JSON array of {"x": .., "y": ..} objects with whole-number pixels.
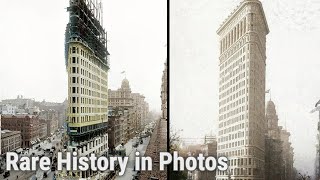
[
  {"x": 87, "y": 66},
  {"x": 242, "y": 64}
]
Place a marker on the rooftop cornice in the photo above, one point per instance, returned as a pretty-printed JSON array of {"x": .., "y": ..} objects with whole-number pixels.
[{"x": 237, "y": 10}]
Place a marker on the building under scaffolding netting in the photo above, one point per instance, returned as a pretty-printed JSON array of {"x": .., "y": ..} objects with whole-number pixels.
[
  {"x": 85, "y": 25},
  {"x": 86, "y": 58}
]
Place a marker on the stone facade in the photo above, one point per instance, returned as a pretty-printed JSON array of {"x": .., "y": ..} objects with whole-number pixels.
[
  {"x": 117, "y": 127},
  {"x": 242, "y": 65},
  {"x": 28, "y": 125},
  {"x": 164, "y": 92},
  {"x": 287, "y": 149},
  {"x": 10, "y": 141},
  {"x": 50, "y": 118},
  {"x": 209, "y": 149},
  {"x": 273, "y": 146},
  {"x": 134, "y": 102}
]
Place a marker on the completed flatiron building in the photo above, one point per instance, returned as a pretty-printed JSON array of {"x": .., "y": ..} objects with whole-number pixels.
[
  {"x": 242, "y": 64},
  {"x": 87, "y": 66}
]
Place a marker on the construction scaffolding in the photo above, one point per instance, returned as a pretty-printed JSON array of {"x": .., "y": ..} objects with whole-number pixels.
[{"x": 86, "y": 26}]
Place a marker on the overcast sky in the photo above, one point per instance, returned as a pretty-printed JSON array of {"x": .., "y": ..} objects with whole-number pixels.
[
  {"x": 293, "y": 68},
  {"x": 32, "y": 47}
]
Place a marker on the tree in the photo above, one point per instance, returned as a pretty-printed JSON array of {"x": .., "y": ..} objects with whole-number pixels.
[{"x": 174, "y": 142}]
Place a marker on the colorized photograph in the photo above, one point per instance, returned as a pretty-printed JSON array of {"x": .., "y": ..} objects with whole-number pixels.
[{"x": 83, "y": 88}]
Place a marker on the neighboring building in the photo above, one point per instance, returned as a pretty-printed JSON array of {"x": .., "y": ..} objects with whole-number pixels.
[
  {"x": 43, "y": 131},
  {"x": 87, "y": 67},
  {"x": 117, "y": 125},
  {"x": 10, "y": 141},
  {"x": 139, "y": 108},
  {"x": 273, "y": 145},
  {"x": 33, "y": 110},
  {"x": 242, "y": 65},
  {"x": 287, "y": 149},
  {"x": 157, "y": 144},
  {"x": 8, "y": 109},
  {"x": 50, "y": 118},
  {"x": 19, "y": 102},
  {"x": 209, "y": 149},
  {"x": 278, "y": 150},
  {"x": 164, "y": 92},
  {"x": 121, "y": 97},
  {"x": 59, "y": 108},
  {"x": 28, "y": 125},
  {"x": 134, "y": 102}
]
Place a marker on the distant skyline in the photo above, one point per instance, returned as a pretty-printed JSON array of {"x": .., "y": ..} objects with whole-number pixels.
[
  {"x": 292, "y": 68},
  {"x": 32, "y": 47}
]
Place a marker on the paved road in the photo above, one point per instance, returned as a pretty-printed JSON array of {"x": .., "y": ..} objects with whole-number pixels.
[
  {"x": 131, "y": 154},
  {"x": 14, "y": 175}
]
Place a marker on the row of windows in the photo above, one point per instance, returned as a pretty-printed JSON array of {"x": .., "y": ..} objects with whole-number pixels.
[
  {"x": 232, "y": 136},
  {"x": 237, "y": 171},
  {"x": 88, "y": 74},
  {"x": 232, "y": 128},
  {"x": 87, "y": 101},
  {"x": 88, "y": 92},
  {"x": 234, "y": 104},
  {"x": 89, "y": 84},
  {"x": 239, "y": 30},
  {"x": 231, "y": 145},
  {"x": 86, "y": 110},
  {"x": 234, "y": 88},
  {"x": 86, "y": 54},
  {"x": 227, "y": 72},
  {"x": 232, "y": 74},
  {"x": 230, "y": 121},
  {"x": 233, "y": 112},
  {"x": 87, "y": 118}
]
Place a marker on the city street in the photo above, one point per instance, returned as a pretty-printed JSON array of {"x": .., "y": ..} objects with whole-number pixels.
[
  {"x": 130, "y": 151},
  {"x": 14, "y": 175}
]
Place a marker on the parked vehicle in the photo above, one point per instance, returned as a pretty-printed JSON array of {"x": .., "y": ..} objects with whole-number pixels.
[{"x": 6, "y": 174}]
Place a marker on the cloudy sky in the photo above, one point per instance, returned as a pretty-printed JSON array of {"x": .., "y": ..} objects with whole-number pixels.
[
  {"x": 292, "y": 68},
  {"x": 32, "y": 47}
]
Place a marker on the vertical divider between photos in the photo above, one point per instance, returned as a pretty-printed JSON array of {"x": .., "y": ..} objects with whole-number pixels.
[{"x": 168, "y": 83}]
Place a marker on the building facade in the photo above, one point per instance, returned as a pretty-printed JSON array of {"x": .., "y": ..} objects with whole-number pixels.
[
  {"x": 287, "y": 149},
  {"x": 242, "y": 63},
  {"x": 135, "y": 103},
  {"x": 19, "y": 102},
  {"x": 87, "y": 67},
  {"x": 121, "y": 97},
  {"x": 164, "y": 92},
  {"x": 10, "y": 141},
  {"x": 209, "y": 149},
  {"x": 8, "y": 109},
  {"x": 273, "y": 145},
  {"x": 51, "y": 119},
  {"x": 117, "y": 128},
  {"x": 28, "y": 125}
]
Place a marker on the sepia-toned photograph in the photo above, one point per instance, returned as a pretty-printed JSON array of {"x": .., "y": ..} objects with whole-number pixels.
[{"x": 244, "y": 84}]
